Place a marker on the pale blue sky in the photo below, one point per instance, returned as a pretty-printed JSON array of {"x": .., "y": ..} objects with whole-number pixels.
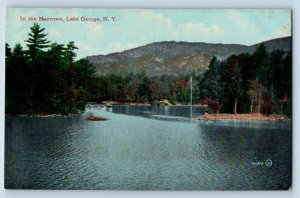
[{"x": 136, "y": 27}]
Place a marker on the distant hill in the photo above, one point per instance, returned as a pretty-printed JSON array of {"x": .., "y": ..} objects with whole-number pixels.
[{"x": 174, "y": 58}]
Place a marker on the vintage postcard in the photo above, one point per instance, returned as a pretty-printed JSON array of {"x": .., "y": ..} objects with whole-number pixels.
[{"x": 148, "y": 99}]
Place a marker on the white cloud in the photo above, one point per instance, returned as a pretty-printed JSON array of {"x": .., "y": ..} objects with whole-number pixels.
[
  {"x": 146, "y": 24},
  {"x": 86, "y": 50},
  {"x": 149, "y": 24},
  {"x": 95, "y": 29},
  {"x": 284, "y": 31},
  {"x": 245, "y": 28},
  {"x": 85, "y": 47},
  {"x": 118, "y": 47},
  {"x": 156, "y": 18},
  {"x": 188, "y": 29},
  {"x": 54, "y": 33},
  {"x": 115, "y": 46}
]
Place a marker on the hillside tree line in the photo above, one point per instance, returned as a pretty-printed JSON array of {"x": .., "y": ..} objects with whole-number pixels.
[{"x": 45, "y": 78}]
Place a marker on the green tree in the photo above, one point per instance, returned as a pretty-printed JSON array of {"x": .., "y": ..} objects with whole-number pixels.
[
  {"x": 144, "y": 88},
  {"x": 8, "y": 52},
  {"x": 70, "y": 55},
  {"x": 262, "y": 68},
  {"x": 245, "y": 65},
  {"x": 281, "y": 62},
  {"x": 232, "y": 78},
  {"x": 18, "y": 91},
  {"x": 46, "y": 78},
  {"x": 211, "y": 85},
  {"x": 37, "y": 41}
]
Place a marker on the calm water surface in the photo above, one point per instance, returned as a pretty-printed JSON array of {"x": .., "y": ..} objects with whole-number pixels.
[{"x": 137, "y": 152}]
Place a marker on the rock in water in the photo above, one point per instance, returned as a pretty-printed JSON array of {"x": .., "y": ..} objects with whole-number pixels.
[{"x": 96, "y": 118}]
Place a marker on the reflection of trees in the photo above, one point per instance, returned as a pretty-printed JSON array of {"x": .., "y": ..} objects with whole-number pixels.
[
  {"x": 236, "y": 144},
  {"x": 228, "y": 153}
]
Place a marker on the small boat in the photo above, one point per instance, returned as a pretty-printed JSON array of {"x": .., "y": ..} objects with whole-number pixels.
[{"x": 108, "y": 105}]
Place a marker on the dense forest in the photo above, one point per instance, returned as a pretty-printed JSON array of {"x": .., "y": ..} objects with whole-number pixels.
[{"x": 44, "y": 77}]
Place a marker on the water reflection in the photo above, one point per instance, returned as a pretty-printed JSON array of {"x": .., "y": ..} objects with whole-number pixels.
[
  {"x": 180, "y": 111},
  {"x": 134, "y": 152},
  {"x": 244, "y": 150}
]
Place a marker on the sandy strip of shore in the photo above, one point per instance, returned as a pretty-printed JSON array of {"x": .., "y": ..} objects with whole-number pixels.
[{"x": 252, "y": 116}]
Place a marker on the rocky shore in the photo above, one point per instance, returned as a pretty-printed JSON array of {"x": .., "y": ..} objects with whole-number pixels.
[
  {"x": 253, "y": 116},
  {"x": 96, "y": 118},
  {"x": 46, "y": 114}
]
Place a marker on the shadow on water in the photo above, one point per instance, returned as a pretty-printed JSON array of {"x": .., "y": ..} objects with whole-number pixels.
[
  {"x": 243, "y": 150},
  {"x": 37, "y": 148}
]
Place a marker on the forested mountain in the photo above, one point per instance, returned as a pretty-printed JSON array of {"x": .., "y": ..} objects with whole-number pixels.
[
  {"x": 44, "y": 77},
  {"x": 173, "y": 58}
]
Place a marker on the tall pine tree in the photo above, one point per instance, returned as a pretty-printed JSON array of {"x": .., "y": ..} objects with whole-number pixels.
[{"x": 37, "y": 41}]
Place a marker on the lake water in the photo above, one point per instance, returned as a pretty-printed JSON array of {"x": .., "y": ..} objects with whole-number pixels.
[
  {"x": 141, "y": 153},
  {"x": 178, "y": 111}
]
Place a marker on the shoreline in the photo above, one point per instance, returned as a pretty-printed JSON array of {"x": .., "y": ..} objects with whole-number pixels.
[
  {"x": 45, "y": 115},
  {"x": 146, "y": 104},
  {"x": 206, "y": 116},
  {"x": 249, "y": 116}
]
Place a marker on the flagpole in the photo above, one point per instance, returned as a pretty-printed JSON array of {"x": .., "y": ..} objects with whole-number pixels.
[{"x": 191, "y": 107}]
